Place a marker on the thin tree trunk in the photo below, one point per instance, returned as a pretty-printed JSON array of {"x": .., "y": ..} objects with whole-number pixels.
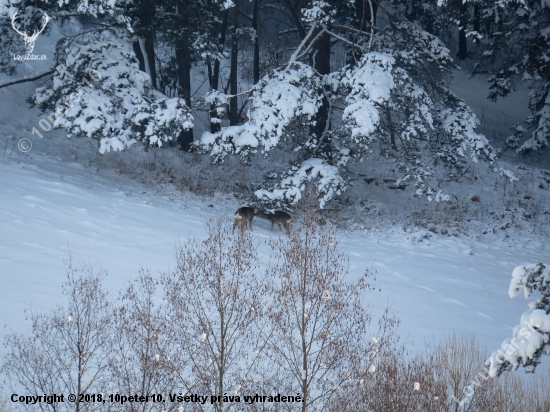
[
  {"x": 150, "y": 55},
  {"x": 322, "y": 65},
  {"x": 215, "y": 125},
  {"x": 462, "y": 41},
  {"x": 363, "y": 14},
  {"x": 477, "y": 19},
  {"x": 145, "y": 53},
  {"x": 183, "y": 58},
  {"x": 221, "y": 372},
  {"x": 393, "y": 142},
  {"x": 462, "y": 45},
  {"x": 233, "y": 103},
  {"x": 305, "y": 391},
  {"x": 139, "y": 54},
  {"x": 256, "y": 68},
  {"x": 144, "y": 46}
]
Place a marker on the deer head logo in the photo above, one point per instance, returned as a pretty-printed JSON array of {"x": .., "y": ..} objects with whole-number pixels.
[{"x": 29, "y": 40}]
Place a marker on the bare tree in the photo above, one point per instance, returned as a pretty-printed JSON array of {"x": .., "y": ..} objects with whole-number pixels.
[
  {"x": 215, "y": 302},
  {"x": 319, "y": 316},
  {"x": 140, "y": 364},
  {"x": 459, "y": 363},
  {"x": 66, "y": 351},
  {"x": 404, "y": 382}
]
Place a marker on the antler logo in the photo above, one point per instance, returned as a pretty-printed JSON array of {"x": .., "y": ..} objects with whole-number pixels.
[{"x": 29, "y": 40}]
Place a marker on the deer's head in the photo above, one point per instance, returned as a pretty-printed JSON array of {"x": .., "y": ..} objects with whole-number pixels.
[{"x": 29, "y": 40}]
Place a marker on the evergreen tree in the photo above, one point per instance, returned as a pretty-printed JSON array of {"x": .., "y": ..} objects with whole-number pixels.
[
  {"x": 531, "y": 338},
  {"x": 100, "y": 93},
  {"x": 394, "y": 97}
]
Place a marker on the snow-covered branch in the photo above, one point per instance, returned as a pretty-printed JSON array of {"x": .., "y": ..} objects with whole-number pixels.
[{"x": 531, "y": 338}]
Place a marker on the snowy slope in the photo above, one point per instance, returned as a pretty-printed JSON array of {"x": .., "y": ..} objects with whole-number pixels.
[{"x": 436, "y": 285}]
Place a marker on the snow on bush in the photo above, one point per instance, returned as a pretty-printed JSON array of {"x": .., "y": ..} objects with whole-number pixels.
[
  {"x": 287, "y": 95},
  {"x": 99, "y": 92},
  {"x": 326, "y": 178},
  {"x": 369, "y": 85},
  {"x": 531, "y": 338},
  {"x": 394, "y": 97},
  {"x": 541, "y": 119}
]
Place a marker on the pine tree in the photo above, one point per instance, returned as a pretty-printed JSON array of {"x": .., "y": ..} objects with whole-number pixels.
[
  {"x": 394, "y": 97},
  {"x": 531, "y": 338},
  {"x": 100, "y": 93}
]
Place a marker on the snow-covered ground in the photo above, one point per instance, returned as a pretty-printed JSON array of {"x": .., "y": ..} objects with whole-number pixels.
[{"x": 436, "y": 284}]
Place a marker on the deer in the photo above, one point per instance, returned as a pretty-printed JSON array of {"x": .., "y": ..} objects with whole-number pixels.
[
  {"x": 243, "y": 215},
  {"x": 29, "y": 40},
  {"x": 279, "y": 217}
]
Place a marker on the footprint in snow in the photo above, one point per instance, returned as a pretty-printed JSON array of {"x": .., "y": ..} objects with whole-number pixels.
[
  {"x": 425, "y": 287},
  {"x": 483, "y": 315},
  {"x": 456, "y": 302},
  {"x": 400, "y": 276}
]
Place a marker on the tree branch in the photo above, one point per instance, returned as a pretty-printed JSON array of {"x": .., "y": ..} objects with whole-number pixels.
[{"x": 27, "y": 79}]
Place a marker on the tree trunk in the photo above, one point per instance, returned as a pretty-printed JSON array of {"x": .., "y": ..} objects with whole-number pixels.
[
  {"x": 256, "y": 64},
  {"x": 215, "y": 125},
  {"x": 151, "y": 63},
  {"x": 145, "y": 31},
  {"x": 393, "y": 142},
  {"x": 139, "y": 54},
  {"x": 145, "y": 53},
  {"x": 477, "y": 19},
  {"x": 363, "y": 13},
  {"x": 462, "y": 45},
  {"x": 233, "y": 103},
  {"x": 183, "y": 58},
  {"x": 462, "y": 41},
  {"x": 322, "y": 65}
]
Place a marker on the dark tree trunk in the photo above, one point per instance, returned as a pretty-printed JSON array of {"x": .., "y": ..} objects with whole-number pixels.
[
  {"x": 233, "y": 103},
  {"x": 183, "y": 58},
  {"x": 322, "y": 65},
  {"x": 477, "y": 19},
  {"x": 145, "y": 45},
  {"x": 215, "y": 126},
  {"x": 391, "y": 128},
  {"x": 363, "y": 14},
  {"x": 256, "y": 64},
  {"x": 462, "y": 45},
  {"x": 322, "y": 55},
  {"x": 139, "y": 55},
  {"x": 150, "y": 51},
  {"x": 462, "y": 53}
]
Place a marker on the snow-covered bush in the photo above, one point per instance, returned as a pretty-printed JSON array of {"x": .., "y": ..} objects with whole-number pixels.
[
  {"x": 531, "y": 338},
  {"x": 99, "y": 92},
  {"x": 540, "y": 105},
  {"x": 291, "y": 94},
  {"x": 394, "y": 98},
  {"x": 326, "y": 178}
]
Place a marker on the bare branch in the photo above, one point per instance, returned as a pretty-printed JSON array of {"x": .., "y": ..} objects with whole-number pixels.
[{"x": 27, "y": 79}]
